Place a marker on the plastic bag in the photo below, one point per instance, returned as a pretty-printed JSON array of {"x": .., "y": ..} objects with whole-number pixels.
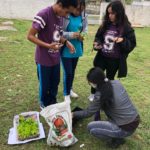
[{"x": 58, "y": 116}]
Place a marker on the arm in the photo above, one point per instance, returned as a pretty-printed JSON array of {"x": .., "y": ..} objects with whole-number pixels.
[
  {"x": 74, "y": 35},
  {"x": 85, "y": 23},
  {"x": 99, "y": 36},
  {"x": 92, "y": 108},
  {"x": 67, "y": 44},
  {"x": 39, "y": 24},
  {"x": 129, "y": 42},
  {"x": 68, "y": 35},
  {"x": 33, "y": 38},
  {"x": 84, "y": 30},
  {"x": 97, "y": 44}
]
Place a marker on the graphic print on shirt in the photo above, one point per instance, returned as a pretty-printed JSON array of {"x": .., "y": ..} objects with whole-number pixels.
[
  {"x": 109, "y": 43},
  {"x": 108, "y": 46},
  {"x": 56, "y": 37}
]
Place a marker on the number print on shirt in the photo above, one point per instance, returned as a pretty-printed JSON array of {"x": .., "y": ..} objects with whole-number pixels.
[{"x": 109, "y": 43}]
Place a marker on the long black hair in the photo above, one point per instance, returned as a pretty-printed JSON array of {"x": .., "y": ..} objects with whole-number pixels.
[
  {"x": 68, "y": 3},
  {"x": 80, "y": 4},
  {"x": 121, "y": 17},
  {"x": 97, "y": 76}
]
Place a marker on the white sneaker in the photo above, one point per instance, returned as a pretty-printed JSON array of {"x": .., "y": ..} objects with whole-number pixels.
[
  {"x": 91, "y": 97},
  {"x": 67, "y": 98},
  {"x": 73, "y": 94},
  {"x": 42, "y": 107}
]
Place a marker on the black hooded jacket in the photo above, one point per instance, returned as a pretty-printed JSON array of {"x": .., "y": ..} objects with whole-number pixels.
[{"x": 126, "y": 47}]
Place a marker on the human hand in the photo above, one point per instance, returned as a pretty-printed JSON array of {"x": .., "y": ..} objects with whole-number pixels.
[
  {"x": 55, "y": 46},
  {"x": 81, "y": 38},
  {"x": 76, "y": 35},
  {"x": 71, "y": 47},
  {"x": 97, "y": 46},
  {"x": 118, "y": 39}
]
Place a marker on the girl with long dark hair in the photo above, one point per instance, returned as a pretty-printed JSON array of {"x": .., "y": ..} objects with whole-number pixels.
[
  {"x": 112, "y": 98},
  {"x": 114, "y": 40}
]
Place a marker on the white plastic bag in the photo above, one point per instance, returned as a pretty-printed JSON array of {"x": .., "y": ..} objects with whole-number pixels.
[{"x": 58, "y": 116}]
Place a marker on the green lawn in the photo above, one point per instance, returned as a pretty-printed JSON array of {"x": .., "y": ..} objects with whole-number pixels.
[{"x": 19, "y": 88}]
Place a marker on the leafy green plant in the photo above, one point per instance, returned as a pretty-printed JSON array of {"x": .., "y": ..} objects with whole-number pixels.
[{"x": 27, "y": 128}]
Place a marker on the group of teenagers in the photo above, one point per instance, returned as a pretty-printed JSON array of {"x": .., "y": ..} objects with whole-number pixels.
[{"x": 58, "y": 32}]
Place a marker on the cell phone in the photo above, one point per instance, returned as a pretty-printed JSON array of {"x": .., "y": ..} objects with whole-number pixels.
[
  {"x": 60, "y": 44},
  {"x": 96, "y": 49}
]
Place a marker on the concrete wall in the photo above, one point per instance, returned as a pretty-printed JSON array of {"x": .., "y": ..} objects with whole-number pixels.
[
  {"x": 137, "y": 14},
  {"x": 26, "y": 9},
  {"x": 22, "y": 9}
]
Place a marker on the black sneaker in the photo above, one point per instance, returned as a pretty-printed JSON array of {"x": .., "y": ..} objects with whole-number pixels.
[
  {"x": 75, "y": 120},
  {"x": 77, "y": 109},
  {"x": 116, "y": 142},
  {"x": 42, "y": 107}
]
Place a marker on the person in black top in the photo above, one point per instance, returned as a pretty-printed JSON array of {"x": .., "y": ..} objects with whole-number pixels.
[{"x": 114, "y": 40}]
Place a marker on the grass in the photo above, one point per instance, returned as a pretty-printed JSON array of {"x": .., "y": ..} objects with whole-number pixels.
[{"x": 19, "y": 88}]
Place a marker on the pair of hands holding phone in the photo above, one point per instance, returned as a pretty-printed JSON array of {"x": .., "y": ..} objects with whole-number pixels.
[{"x": 98, "y": 46}]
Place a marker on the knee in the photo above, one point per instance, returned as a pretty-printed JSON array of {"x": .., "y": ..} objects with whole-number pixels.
[
  {"x": 89, "y": 126},
  {"x": 93, "y": 132}
]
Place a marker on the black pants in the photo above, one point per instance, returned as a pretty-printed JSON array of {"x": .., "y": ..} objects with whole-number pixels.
[{"x": 110, "y": 65}]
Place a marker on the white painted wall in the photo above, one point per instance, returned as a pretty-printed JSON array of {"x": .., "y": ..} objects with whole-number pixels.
[
  {"x": 22, "y": 9},
  {"x": 137, "y": 14},
  {"x": 26, "y": 9}
]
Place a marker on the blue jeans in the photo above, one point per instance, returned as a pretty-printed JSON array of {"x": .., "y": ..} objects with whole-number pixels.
[
  {"x": 69, "y": 66},
  {"x": 106, "y": 130}
]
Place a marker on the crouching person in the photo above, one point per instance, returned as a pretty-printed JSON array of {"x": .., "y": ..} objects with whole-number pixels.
[{"x": 112, "y": 98}]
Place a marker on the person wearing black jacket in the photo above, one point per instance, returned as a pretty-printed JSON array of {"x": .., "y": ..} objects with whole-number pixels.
[{"x": 114, "y": 40}]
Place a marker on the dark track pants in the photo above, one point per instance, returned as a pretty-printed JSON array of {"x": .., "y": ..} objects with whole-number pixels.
[{"x": 49, "y": 78}]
